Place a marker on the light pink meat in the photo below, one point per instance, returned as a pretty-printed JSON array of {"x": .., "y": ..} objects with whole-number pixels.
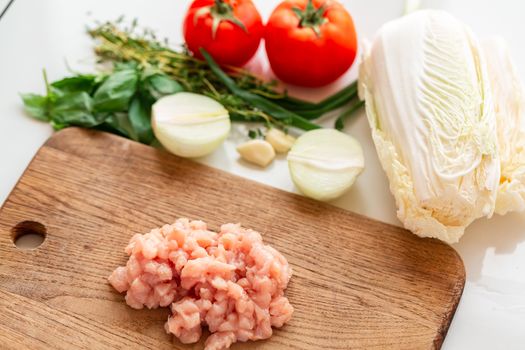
[{"x": 229, "y": 281}]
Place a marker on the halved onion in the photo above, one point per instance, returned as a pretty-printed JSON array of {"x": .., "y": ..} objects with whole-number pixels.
[
  {"x": 190, "y": 125},
  {"x": 324, "y": 163}
]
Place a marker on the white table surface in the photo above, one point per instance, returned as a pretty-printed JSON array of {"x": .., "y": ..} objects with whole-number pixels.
[{"x": 46, "y": 33}]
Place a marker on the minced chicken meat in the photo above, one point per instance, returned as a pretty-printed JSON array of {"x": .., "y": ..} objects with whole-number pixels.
[{"x": 229, "y": 281}]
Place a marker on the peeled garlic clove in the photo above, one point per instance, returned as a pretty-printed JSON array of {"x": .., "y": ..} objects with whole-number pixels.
[
  {"x": 325, "y": 163},
  {"x": 257, "y": 152},
  {"x": 189, "y": 125},
  {"x": 280, "y": 141}
]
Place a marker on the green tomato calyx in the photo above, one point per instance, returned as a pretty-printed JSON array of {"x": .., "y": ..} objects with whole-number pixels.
[
  {"x": 311, "y": 17},
  {"x": 222, "y": 11}
]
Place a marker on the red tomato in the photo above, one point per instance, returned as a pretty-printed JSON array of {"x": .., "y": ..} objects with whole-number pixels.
[
  {"x": 310, "y": 43},
  {"x": 230, "y": 30}
]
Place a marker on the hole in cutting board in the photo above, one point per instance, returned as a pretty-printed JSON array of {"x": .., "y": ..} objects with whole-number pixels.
[{"x": 28, "y": 234}]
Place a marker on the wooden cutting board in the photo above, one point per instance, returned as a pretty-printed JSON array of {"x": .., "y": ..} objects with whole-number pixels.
[{"x": 357, "y": 283}]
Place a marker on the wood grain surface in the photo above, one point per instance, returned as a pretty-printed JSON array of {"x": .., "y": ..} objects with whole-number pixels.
[{"x": 357, "y": 283}]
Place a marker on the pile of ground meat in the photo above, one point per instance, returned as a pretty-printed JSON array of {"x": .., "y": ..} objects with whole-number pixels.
[{"x": 229, "y": 281}]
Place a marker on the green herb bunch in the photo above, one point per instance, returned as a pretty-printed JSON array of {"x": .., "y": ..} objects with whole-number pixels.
[
  {"x": 145, "y": 69},
  {"x": 119, "y": 102},
  {"x": 126, "y": 45},
  {"x": 115, "y": 42}
]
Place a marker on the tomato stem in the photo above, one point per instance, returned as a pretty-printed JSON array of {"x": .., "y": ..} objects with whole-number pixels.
[
  {"x": 311, "y": 17},
  {"x": 222, "y": 7},
  {"x": 222, "y": 11}
]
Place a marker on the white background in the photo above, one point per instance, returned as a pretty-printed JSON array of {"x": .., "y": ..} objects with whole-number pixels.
[{"x": 47, "y": 33}]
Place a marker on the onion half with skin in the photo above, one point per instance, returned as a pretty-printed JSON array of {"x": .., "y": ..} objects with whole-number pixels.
[
  {"x": 325, "y": 163},
  {"x": 190, "y": 125}
]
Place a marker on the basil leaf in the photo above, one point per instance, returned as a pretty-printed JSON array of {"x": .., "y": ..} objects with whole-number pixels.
[
  {"x": 74, "y": 109},
  {"x": 36, "y": 106},
  {"x": 118, "y": 66},
  {"x": 157, "y": 85},
  {"x": 117, "y": 123},
  {"x": 58, "y": 126},
  {"x": 162, "y": 85},
  {"x": 139, "y": 118},
  {"x": 115, "y": 93},
  {"x": 74, "y": 84},
  {"x": 119, "y": 102}
]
